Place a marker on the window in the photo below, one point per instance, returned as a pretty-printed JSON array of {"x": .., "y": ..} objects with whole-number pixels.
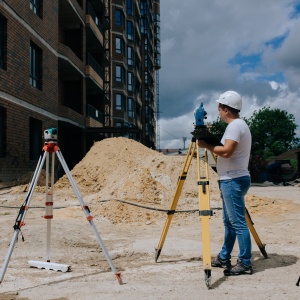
[
  {"x": 35, "y": 138},
  {"x": 130, "y": 56},
  {"x": 36, "y": 7},
  {"x": 120, "y": 74},
  {"x": 130, "y": 107},
  {"x": 2, "y": 132},
  {"x": 129, "y": 7},
  {"x": 119, "y": 45},
  {"x": 130, "y": 81},
  {"x": 130, "y": 30},
  {"x": 119, "y": 18},
  {"x": 3, "y": 42},
  {"x": 120, "y": 102},
  {"x": 35, "y": 66}
]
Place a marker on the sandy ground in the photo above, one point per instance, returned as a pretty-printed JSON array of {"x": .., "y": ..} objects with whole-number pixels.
[{"x": 131, "y": 234}]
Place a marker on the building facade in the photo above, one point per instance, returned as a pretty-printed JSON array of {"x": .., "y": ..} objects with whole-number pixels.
[{"x": 86, "y": 67}]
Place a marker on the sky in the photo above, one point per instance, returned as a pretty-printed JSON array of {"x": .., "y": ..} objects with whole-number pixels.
[{"x": 211, "y": 46}]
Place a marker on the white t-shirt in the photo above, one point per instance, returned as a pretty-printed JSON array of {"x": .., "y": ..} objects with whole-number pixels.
[{"x": 236, "y": 165}]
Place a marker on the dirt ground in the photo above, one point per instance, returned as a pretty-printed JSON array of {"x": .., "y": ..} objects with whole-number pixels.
[{"x": 128, "y": 189}]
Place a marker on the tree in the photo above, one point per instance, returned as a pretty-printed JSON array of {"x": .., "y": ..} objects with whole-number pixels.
[
  {"x": 217, "y": 128},
  {"x": 273, "y": 131}
]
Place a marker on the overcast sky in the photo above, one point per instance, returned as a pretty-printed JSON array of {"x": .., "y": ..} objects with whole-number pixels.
[{"x": 211, "y": 46}]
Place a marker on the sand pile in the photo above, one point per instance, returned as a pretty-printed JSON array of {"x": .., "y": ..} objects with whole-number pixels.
[{"x": 121, "y": 168}]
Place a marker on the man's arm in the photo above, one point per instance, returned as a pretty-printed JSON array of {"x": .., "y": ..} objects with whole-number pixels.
[{"x": 225, "y": 151}]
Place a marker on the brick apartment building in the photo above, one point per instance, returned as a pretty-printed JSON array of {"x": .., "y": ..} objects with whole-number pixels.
[{"x": 86, "y": 67}]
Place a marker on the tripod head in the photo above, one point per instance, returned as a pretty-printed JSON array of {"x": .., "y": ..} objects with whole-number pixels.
[{"x": 50, "y": 135}]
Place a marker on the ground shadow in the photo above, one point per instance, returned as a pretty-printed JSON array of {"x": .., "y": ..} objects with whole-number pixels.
[{"x": 260, "y": 264}]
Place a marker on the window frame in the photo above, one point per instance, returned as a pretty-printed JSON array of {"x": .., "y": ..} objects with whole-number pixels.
[
  {"x": 129, "y": 7},
  {"x": 130, "y": 56},
  {"x": 35, "y": 66},
  {"x": 120, "y": 74},
  {"x": 120, "y": 102},
  {"x": 130, "y": 81},
  {"x": 130, "y": 107},
  {"x": 120, "y": 45},
  {"x": 3, "y": 42},
  {"x": 37, "y": 7},
  {"x": 119, "y": 18},
  {"x": 130, "y": 31}
]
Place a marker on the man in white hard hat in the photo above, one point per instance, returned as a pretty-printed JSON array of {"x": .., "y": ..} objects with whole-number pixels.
[{"x": 232, "y": 168}]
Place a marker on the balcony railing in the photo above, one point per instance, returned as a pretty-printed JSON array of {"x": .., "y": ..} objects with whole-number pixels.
[
  {"x": 95, "y": 114},
  {"x": 91, "y": 12},
  {"x": 91, "y": 61}
]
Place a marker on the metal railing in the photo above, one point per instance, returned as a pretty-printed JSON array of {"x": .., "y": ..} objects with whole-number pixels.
[{"x": 95, "y": 114}]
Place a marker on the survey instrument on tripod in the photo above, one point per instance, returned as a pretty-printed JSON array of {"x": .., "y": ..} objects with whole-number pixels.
[
  {"x": 51, "y": 147},
  {"x": 205, "y": 212}
]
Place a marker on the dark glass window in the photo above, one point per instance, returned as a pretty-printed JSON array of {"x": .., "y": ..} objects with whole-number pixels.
[
  {"x": 130, "y": 31},
  {"x": 35, "y": 138},
  {"x": 129, "y": 7},
  {"x": 120, "y": 102},
  {"x": 130, "y": 107},
  {"x": 130, "y": 81},
  {"x": 3, "y": 29},
  {"x": 119, "y": 18},
  {"x": 120, "y": 74},
  {"x": 3, "y": 131},
  {"x": 130, "y": 56},
  {"x": 37, "y": 7},
  {"x": 119, "y": 45},
  {"x": 35, "y": 66}
]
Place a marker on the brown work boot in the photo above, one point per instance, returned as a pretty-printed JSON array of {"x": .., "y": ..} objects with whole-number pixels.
[
  {"x": 239, "y": 269},
  {"x": 217, "y": 262}
]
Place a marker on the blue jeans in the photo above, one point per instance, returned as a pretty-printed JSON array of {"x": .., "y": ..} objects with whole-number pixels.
[{"x": 232, "y": 193}]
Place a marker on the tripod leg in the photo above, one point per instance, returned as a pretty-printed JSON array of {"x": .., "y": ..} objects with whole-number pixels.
[
  {"x": 178, "y": 190},
  {"x": 260, "y": 245},
  {"x": 49, "y": 202},
  {"x": 205, "y": 213},
  {"x": 22, "y": 213},
  {"x": 88, "y": 215}
]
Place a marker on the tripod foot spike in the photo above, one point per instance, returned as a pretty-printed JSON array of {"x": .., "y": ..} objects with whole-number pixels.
[
  {"x": 263, "y": 251},
  {"x": 118, "y": 275},
  {"x": 207, "y": 278},
  {"x": 157, "y": 253}
]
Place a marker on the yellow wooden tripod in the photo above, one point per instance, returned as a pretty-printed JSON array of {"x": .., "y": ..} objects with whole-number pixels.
[{"x": 205, "y": 211}]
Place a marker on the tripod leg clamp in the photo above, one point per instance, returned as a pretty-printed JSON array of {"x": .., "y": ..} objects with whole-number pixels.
[
  {"x": 204, "y": 184},
  {"x": 205, "y": 213}
]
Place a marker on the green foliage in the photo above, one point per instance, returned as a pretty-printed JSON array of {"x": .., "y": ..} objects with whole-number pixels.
[
  {"x": 273, "y": 131},
  {"x": 217, "y": 128}
]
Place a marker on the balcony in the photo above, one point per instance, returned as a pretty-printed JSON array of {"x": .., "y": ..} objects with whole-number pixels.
[
  {"x": 94, "y": 71},
  {"x": 96, "y": 115},
  {"x": 94, "y": 29},
  {"x": 71, "y": 14}
]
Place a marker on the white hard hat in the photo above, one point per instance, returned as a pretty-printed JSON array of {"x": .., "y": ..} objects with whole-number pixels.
[{"x": 232, "y": 99}]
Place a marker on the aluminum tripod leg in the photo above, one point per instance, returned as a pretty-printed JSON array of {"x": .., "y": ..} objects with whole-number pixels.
[
  {"x": 177, "y": 193},
  {"x": 87, "y": 214},
  {"x": 21, "y": 217},
  {"x": 205, "y": 213},
  {"x": 49, "y": 201}
]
